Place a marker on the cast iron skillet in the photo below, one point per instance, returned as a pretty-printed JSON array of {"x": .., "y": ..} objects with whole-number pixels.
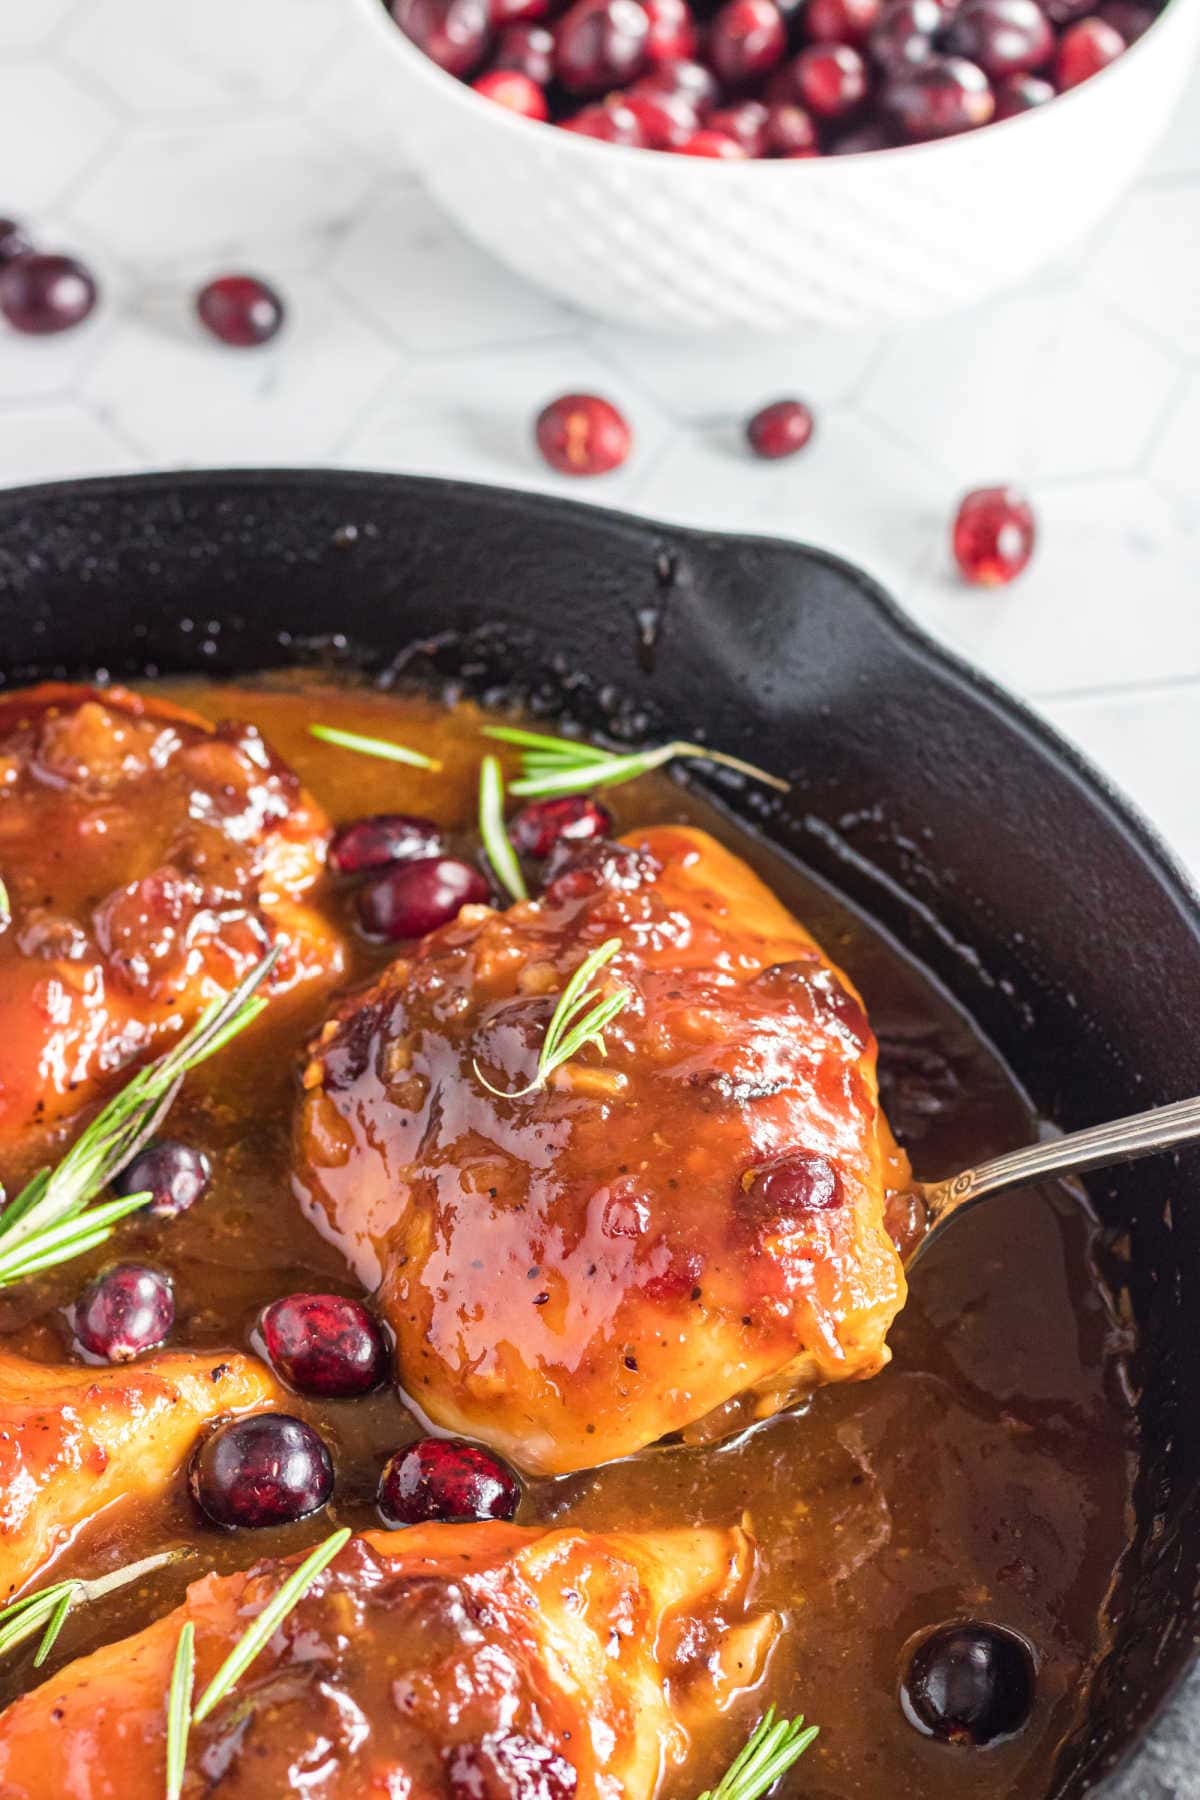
[{"x": 929, "y": 797}]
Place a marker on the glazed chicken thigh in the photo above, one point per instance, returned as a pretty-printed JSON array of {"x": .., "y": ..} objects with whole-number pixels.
[{"x": 690, "y": 1229}]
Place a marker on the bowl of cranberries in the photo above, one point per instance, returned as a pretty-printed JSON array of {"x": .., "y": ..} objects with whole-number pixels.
[{"x": 697, "y": 164}]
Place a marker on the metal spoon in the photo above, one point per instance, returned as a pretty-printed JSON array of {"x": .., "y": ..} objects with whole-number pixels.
[{"x": 1141, "y": 1134}]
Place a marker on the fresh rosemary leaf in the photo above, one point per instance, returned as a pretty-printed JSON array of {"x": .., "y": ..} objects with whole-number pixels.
[
  {"x": 373, "y": 746},
  {"x": 773, "y": 1746},
  {"x": 552, "y": 766},
  {"x": 580, "y": 1017},
  {"x": 260, "y": 1633},
  {"x": 179, "y": 1709},
  {"x": 48, "y": 1608},
  {"x": 500, "y": 852}
]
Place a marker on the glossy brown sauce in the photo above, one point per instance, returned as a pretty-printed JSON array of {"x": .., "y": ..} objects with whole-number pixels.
[{"x": 986, "y": 1474}]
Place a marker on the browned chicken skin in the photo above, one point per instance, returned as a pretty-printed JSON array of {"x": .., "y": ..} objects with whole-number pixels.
[{"x": 693, "y": 1224}]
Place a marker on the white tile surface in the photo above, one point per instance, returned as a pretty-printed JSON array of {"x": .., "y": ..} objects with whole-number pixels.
[{"x": 168, "y": 141}]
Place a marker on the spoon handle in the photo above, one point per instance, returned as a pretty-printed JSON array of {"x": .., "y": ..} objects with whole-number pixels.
[{"x": 1124, "y": 1140}]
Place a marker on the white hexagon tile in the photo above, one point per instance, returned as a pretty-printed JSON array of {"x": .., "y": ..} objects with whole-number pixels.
[{"x": 167, "y": 142}]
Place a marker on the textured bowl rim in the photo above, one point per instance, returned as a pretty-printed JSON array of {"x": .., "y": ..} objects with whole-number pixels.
[{"x": 377, "y": 19}]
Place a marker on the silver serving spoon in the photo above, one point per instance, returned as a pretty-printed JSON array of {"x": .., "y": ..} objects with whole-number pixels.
[{"x": 1142, "y": 1134}]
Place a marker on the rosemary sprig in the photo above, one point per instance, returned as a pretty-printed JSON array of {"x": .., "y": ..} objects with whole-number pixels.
[
  {"x": 48, "y": 1608},
  {"x": 179, "y": 1709},
  {"x": 773, "y": 1746},
  {"x": 500, "y": 852},
  {"x": 580, "y": 1018},
  {"x": 555, "y": 765},
  {"x": 51, "y": 1220},
  {"x": 373, "y": 746}
]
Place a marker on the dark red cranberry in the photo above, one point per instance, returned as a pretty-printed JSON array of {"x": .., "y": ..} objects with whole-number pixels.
[
  {"x": 529, "y": 49},
  {"x": 1005, "y": 37},
  {"x": 774, "y": 1197},
  {"x": 790, "y": 132},
  {"x": 514, "y": 91},
  {"x": 380, "y": 840},
  {"x": 325, "y": 1345},
  {"x": 13, "y": 241},
  {"x": 241, "y": 310},
  {"x": 128, "y": 1309},
  {"x": 830, "y": 79},
  {"x": 517, "y": 12},
  {"x": 745, "y": 123},
  {"x": 600, "y": 44},
  {"x": 683, "y": 76},
  {"x": 1083, "y": 51},
  {"x": 44, "y": 294},
  {"x": 1129, "y": 18},
  {"x": 415, "y": 897},
  {"x": 453, "y": 33},
  {"x": 581, "y": 434},
  {"x": 780, "y": 429},
  {"x": 994, "y": 533},
  {"x": 746, "y": 40},
  {"x": 969, "y": 1684},
  {"x": 905, "y": 33},
  {"x": 714, "y": 144},
  {"x": 840, "y": 21},
  {"x": 446, "y": 1479},
  {"x": 611, "y": 121},
  {"x": 1063, "y": 12},
  {"x": 576, "y": 870},
  {"x": 175, "y": 1174},
  {"x": 939, "y": 99},
  {"x": 1021, "y": 93},
  {"x": 509, "y": 1763},
  {"x": 267, "y": 1469},
  {"x": 672, "y": 31},
  {"x": 542, "y": 824},
  {"x": 863, "y": 140},
  {"x": 665, "y": 119}
]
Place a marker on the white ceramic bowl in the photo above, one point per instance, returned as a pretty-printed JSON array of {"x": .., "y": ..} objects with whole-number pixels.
[{"x": 681, "y": 243}]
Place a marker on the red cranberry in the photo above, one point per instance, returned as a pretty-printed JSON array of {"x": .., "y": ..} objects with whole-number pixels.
[
  {"x": 745, "y": 123},
  {"x": 745, "y": 40},
  {"x": 790, "y": 132},
  {"x": 577, "y": 870},
  {"x": 517, "y": 12},
  {"x": 1005, "y": 37},
  {"x": 175, "y": 1174},
  {"x": 128, "y": 1309},
  {"x": 380, "y": 840},
  {"x": 543, "y": 823},
  {"x": 581, "y": 434},
  {"x": 1062, "y": 12},
  {"x": 446, "y": 1479},
  {"x": 267, "y": 1469},
  {"x": 773, "y": 1197},
  {"x": 1084, "y": 50},
  {"x": 44, "y": 294},
  {"x": 612, "y": 122},
  {"x": 510, "y": 89},
  {"x": 529, "y": 49},
  {"x": 994, "y": 534},
  {"x": 969, "y": 1684},
  {"x": 780, "y": 429},
  {"x": 509, "y": 1763},
  {"x": 714, "y": 144},
  {"x": 939, "y": 99},
  {"x": 324, "y": 1345},
  {"x": 453, "y": 33},
  {"x": 600, "y": 44},
  {"x": 864, "y": 139},
  {"x": 682, "y": 76},
  {"x": 1127, "y": 17},
  {"x": 415, "y": 897},
  {"x": 840, "y": 21},
  {"x": 1021, "y": 93},
  {"x": 664, "y": 119},
  {"x": 13, "y": 242},
  {"x": 905, "y": 33},
  {"x": 831, "y": 79},
  {"x": 672, "y": 31},
  {"x": 241, "y": 310}
]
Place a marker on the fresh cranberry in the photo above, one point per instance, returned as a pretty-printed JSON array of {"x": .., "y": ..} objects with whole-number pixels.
[
  {"x": 939, "y": 99},
  {"x": 600, "y": 44},
  {"x": 773, "y": 1197},
  {"x": 863, "y": 140},
  {"x": 543, "y": 823},
  {"x": 672, "y": 31},
  {"x": 175, "y": 1174},
  {"x": 575, "y": 870},
  {"x": 790, "y": 132},
  {"x": 446, "y": 1479},
  {"x": 969, "y": 1684},
  {"x": 665, "y": 119},
  {"x": 241, "y": 310},
  {"x": 840, "y": 21},
  {"x": 683, "y": 76},
  {"x": 780, "y": 429},
  {"x": 830, "y": 79},
  {"x": 44, "y": 294},
  {"x": 714, "y": 144},
  {"x": 452, "y": 33},
  {"x": 905, "y": 33},
  {"x": 1021, "y": 93},
  {"x": 517, "y": 12},
  {"x": 415, "y": 897},
  {"x": 611, "y": 121},
  {"x": 1127, "y": 17},
  {"x": 266, "y": 1469},
  {"x": 581, "y": 434},
  {"x": 1083, "y": 51},
  {"x": 13, "y": 242},
  {"x": 380, "y": 840},
  {"x": 745, "y": 40},
  {"x": 1064, "y": 12},
  {"x": 1005, "y": 37},
  {"x": 324, "y": 1345},
  {"x": 514, "y": 91},
  {"x": 529, "y": 49},
  {"x": 994, "y": 534},
  {"x": 128, "y": 1309},
  {"x": 745, "y": 123},
  {"x": 512, "y": 1764}
]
